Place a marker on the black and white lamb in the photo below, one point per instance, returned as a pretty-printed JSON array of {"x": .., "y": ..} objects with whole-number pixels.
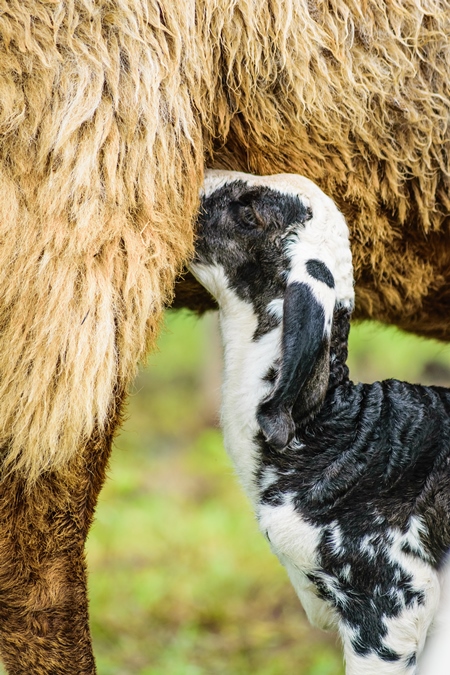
[{"x": 350, "y": 482}]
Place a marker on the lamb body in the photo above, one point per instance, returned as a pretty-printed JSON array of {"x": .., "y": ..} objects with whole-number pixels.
[{"x": 350, "y": 483}]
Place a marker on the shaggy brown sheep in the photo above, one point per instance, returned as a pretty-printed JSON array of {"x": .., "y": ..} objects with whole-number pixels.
[{"x": 109, "y": 110}]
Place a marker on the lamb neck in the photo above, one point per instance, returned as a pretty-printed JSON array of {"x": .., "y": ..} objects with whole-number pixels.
[{"x": 247, "y": 362}]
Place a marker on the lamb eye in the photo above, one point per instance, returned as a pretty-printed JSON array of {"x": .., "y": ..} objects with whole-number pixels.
[{"x": 247, "y": 218}]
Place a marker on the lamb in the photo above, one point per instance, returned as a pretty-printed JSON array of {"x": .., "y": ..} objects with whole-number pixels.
[{"x": 350, "y": 483}]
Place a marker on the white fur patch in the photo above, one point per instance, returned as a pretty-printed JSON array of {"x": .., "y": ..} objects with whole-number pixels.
[
  {"x": 295, "y": 543},
  {"x": 275, "y": 307},
  {"x": 290, "y": 535},
  {"x": 336, "y": 539},
  {"x": 268, "y": 478}
]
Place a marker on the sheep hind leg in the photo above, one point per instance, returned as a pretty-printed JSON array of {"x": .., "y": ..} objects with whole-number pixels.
[{"x": 43, "y": 603}]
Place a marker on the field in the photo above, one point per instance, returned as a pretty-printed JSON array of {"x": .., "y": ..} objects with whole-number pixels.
[{"x": 181, "y": 582}]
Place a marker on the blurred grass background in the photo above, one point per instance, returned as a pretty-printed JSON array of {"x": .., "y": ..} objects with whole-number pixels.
[{"x": 181, "y": 582}]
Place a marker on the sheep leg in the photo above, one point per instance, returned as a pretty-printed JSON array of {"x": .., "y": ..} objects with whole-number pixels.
[{"x": 43, "y": 603}]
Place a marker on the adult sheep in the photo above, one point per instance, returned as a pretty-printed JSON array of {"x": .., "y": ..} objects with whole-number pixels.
[{"x": 109, "y": 110}]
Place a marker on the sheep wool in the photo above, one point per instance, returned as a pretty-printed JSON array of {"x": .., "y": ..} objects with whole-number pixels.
[
  {"x": 99, "y": 162},
  {"x": 109, "y": 110}
]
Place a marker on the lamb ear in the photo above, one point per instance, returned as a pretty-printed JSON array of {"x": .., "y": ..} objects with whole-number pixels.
[{"x": 303, "y": 376}]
